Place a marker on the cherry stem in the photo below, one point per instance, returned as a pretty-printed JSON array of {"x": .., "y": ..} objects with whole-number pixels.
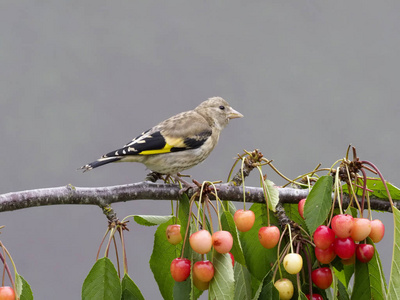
[
  {"x": 124, "y": 257},
  {"x": 244, "y": 186},
  {"x": 207, "y": 200},
  {"x": 264, "y": 191},
  {"x": 290, "y": 237},
  {"x": 116, "y": 254},
  {"x": 364, "y": 191},
  {"x": 102, "y": 242},
  {"x": 188, "y": 224},
  {"x": 216, "y": 211},
  {"x": 383, "y": 180},
  {"x": 354, "y": 196},
  {"x": 109, "y": 241},
  {"x": 7, "y": 268}
]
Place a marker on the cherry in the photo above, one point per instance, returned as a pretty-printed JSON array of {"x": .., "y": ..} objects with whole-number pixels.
[
  {"x": 180, "y": 269},
  {"x": 323, "y": 237},
  {"x": 7, "y": 293},
  {"x": 203, "y": 270},
  {"x": 300, "y": 207},
  {"x": 285, "y": 288},
  {"x": 201, "y": 241},
  {"x": 365, "y": 252},
  {"x": 322, "y": 277},
  {"x": 233, "y": 259},
  {"x": 173, "y": 234},
  {"x": 344, "y": 247},
  {"x": 377, "y": 231},
  {"x": 244, "y": 219},
  {"x": 293, "y": 262},
  {"x": 325, "y": 256},
  {"x": 201, "y": 285},
  {"x": 222, "y": 241},
  {"x": 269, "y": 236},
  {"x": 361, "y": 229},
  {"x": 315, "y": 297},
  {"x": 342, "y": 225}
]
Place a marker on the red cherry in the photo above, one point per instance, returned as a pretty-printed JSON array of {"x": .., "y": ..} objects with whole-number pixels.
[
  {"x": 322, "y": 277},
  {"x": 173, "y": 234},
  {"x": 377, "y": 231},
  {"x": 365, "y": 252},
  {"x": 201, "y": 241},
  {"x": 315, "y": 297},
  {"x": 244, "y": 219},
  {"x": 7, "y": 293},
  {"x": 300, "y": 207},
  {"x": 203, "y": 270},
  {"x": 342, "y": 225},
  {"x": 323, "y": 237},
  {"x": 222, "y": 241},
  {"x": 344, "y": 247},
  {"x": 269, "y": 236},
  {"x": 180, "y": 269},
  {"x": 325, "y": 256}
]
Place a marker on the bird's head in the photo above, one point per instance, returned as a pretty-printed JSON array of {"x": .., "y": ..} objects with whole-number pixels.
[{"x": 217, "y": 112}]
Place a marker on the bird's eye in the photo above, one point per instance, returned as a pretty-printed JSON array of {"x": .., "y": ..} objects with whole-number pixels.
[{"x": 222, "y": 107}]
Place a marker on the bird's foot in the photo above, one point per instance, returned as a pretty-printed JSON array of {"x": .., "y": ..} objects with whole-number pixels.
[{"x": 153, "y": 177}]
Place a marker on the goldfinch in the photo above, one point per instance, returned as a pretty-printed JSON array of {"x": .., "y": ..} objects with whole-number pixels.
[{"x": 178, "y": 143}]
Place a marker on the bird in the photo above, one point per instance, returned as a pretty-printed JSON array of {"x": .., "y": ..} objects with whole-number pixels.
[{"x": 177, "y": 143}]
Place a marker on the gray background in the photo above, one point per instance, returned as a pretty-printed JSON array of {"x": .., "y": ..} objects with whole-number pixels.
[{"x": 80, "y": 78}]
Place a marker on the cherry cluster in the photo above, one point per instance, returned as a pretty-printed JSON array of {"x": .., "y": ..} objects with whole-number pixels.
[
  {"x": 345, "y": 240},
  {"x": 201, "y": 242}
]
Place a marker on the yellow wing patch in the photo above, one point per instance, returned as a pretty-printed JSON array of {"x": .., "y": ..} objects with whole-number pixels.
[{"x": 170, "y": 143}]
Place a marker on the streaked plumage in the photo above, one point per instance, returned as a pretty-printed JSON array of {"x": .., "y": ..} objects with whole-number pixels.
[{"x": 177, "y": 143}]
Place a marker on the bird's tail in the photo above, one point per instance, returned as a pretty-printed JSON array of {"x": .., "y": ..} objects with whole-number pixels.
[{"x": 99, "y": 162}]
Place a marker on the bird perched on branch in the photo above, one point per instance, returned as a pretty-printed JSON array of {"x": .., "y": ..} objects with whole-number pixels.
[{"x": 178, "y": 143}]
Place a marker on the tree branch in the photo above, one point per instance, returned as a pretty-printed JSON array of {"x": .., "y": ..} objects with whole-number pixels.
[{"x": 104, "y": 196}]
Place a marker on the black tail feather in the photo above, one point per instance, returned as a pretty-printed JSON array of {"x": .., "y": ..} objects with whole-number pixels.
[{"x": 100, "y": 162}]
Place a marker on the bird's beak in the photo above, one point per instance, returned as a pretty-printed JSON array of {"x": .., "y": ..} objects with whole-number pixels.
[{"x": 233, "y": 114}]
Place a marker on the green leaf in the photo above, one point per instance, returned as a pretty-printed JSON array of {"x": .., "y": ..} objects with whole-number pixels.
[
  {"x": 242, "y": 282},
  {"x": 258, "y": 259},
  {"x": 272, "y": 194},
  {"x": 394, "y": 281},
  {"x": 343, "y": 272},
  {"x": 23, "y": 288},
  {"x": 184, "y": 207},
  {"x": 222, "y": 285},
  {"x": 182, "y": 290},
  {"x": 102, "y": 282},
  {"x": 130, "y": 291},
  {"x": 292, "y": 212},
  {"x": 266, "y": 289},
  {"x": 378, "y": 188},
  {"x": 302, "y": 296},
  {"x": 342, "y": 292},
  {"x": 160, "y": 261},
  {"x": 229, "y": 225},
  {"x": 318, "y": 203},
  {"x": 151, "y": 220},
  {"x": 362, "y": 287},
  {"x": 376, "y": 275}
]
